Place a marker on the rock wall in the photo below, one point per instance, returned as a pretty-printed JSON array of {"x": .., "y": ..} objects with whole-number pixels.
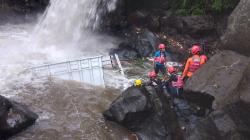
[
  {"x": 19, "y": 11},
  {"x": 160, "y": 18},
  {"x": 226, "y": 78},
  {"x": 23, "y": 6},
  {"x": 237, "y": 34},
  {"x": 230, "y": 123}
]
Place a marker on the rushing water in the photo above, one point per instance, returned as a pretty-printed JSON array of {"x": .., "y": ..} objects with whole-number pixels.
[{"x": 67, "y": 110}]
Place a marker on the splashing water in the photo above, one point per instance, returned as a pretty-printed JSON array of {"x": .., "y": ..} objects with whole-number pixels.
[
  {"x": 67, "y": 110},
  {"x": 69, "y": 23},
  {"x": 65, "y": 31}
]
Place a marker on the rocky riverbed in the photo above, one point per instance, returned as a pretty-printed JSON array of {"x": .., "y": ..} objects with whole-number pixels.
[{"x": 220, "y": 88}]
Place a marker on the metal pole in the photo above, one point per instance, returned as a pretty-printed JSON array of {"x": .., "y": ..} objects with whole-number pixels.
[
  {"x": 119, "y": 64},
  {"x": 49, "y": 70},
  {"x": 80, "y": 71},
  {"x": 91, "y": 70},
  {"x": 101, "y": 70},
  {"x": 69, "y": 70},
  {"x": 111, "y": 61}
]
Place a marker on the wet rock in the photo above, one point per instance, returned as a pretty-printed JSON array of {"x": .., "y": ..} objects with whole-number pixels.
[
  {"x": 153, "y": 22},
  {"x": 125, "y": 52},
  {"x": 236, "y": 37},
  {"x": 14, "y": 117},
  {"x": 205, "y": 130},
  {"x": 24, "y": 6},
  {"x": 137, "y": 18},
  {"x": 220, "y": 79},
  {"x": 138, "y": 43},
  {"x": 244, "y": 86},
  {"x": 195, "y": 26},
  {"x": 230, "y": 123},
  {"x": 144, "y": 112},
  {"x": 134, "y": 110}
]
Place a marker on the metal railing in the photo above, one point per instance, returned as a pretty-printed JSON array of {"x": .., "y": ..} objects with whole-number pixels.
[{"x": 88, "y": 70}]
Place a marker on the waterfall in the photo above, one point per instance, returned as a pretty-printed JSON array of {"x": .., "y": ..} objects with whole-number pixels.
[
  {"x": 67, "y": 22},
  {"x": 66, "y": 30}
]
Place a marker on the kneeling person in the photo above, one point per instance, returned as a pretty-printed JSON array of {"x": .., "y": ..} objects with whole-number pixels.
[{"x": 175, "y": 82}]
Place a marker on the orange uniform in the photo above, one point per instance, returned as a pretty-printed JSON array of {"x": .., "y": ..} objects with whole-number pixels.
[{"x": 193, "y": 63}]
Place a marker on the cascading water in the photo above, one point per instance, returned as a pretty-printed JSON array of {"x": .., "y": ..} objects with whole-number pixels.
[
  {"x": 69, "y": 23},
  {"x": 65, "y": 31},
  {"x": 67, "y": 110}
]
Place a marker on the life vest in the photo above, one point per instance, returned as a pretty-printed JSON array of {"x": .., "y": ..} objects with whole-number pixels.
[
  {"x": 195, "y": 64},
  {"x": 160, "y": 59},
  {"x": 179, "y": 83}
]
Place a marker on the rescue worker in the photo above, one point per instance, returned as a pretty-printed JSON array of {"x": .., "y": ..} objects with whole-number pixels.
[
  {"x": 193, "y": 63},
  {"x": 153, "y": 80},
  {"x": 175, "y": 83},
  {"x": 160, "y": 60}
]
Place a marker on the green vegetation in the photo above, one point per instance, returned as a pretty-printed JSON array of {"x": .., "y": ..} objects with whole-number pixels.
[{"x": 201, "y": 7}]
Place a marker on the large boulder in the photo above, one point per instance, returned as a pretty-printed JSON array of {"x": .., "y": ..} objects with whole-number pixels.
[
  {"x": 137, "y": 43},
  {"x": 145, "y": 112},
  {"x": 223, "y": 78},
  {"x": 230, "y": 123},
  {"x": 134, "y": 110},
  {"x": 14, "y": 117},
  {"x": 236, "y": 37}
]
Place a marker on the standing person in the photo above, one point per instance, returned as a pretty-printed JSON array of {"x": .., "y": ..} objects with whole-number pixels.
[
  {"x": 175, "y": 82},
  {"x": 193, "y": 63},
  {"x": 160, "y": 58}
]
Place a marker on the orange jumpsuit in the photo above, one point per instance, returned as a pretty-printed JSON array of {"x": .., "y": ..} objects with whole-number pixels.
[{"x": 193, "y": 63}]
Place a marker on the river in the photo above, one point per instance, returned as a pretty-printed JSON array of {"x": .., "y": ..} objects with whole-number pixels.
[{"x": 68, "y": 110}]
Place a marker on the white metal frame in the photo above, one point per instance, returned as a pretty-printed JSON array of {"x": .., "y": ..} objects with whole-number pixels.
[{"x": 89, "y": 70}]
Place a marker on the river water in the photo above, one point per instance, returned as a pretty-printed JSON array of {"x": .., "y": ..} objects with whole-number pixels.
[{"x": 67, "y": 110}]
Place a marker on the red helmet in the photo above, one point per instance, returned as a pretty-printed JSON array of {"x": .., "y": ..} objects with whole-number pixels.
[
  {"x": 195, "y": 49},
  {"x": 171, "y": 69},
  {"x": 204, "y": 57},
  {"x": 162, "y": 46},
  {"x": 152, "y": 74}
]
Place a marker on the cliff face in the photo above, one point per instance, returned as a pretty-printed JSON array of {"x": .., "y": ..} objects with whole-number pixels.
[{"x": 164, "y": 19}]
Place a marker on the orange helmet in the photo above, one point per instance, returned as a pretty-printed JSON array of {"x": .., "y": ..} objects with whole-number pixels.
[
  {"x": 152, "y": 74},
  {"x": 171, "y": 69},
  {"x": 162, "y": 46},
  {"x": 195, "y": 49}
]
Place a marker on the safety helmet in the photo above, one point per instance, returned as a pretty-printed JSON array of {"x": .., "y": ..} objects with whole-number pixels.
[
  {"x": 195, "y": 49},
  {"x": 171, "y": 69},
  {"x": 152, "y": 74},
  {"x": 162, "y": 46},
  {"x": 204, "y": 57},
  {"x": 138, "y": 83}
]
